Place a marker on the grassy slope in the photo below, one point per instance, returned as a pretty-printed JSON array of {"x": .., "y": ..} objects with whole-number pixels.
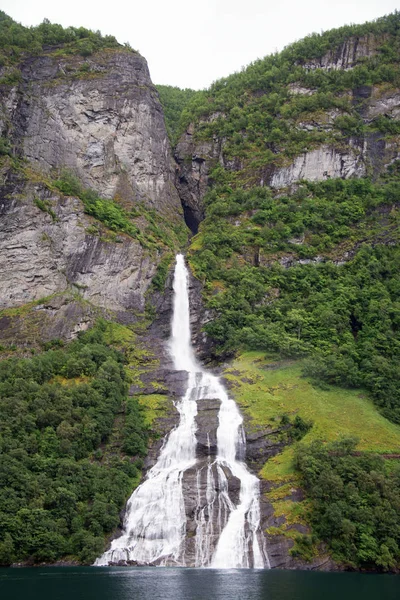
[{"x": 266, "y": 390}]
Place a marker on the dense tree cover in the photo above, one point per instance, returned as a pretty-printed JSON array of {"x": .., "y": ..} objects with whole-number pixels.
[
  {"x": 259, "y": 117},
  {"x": 174, "y": 100},
  {"x": 356, "y": 503},
  {"x": 345, "y": 317},
  {"x": 269, "y": 261},
  {"x": 58, "y": 495},
  {"x": 15, "y": 39}
]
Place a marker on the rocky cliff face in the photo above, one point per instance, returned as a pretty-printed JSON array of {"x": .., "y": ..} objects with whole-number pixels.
[
  {"x": 368, "y": 153},
  {"x": 323, "y": 163},
  {"x": 348, "y": 54},
  {"x": 100, "y": 119},
  {"x": 193, "y": 165}
]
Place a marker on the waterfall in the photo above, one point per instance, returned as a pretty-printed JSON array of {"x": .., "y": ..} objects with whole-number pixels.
[{"x": 224, "y": 530}]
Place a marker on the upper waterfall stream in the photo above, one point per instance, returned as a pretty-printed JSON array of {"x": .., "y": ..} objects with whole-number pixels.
[{"x": 195, "y": 510}]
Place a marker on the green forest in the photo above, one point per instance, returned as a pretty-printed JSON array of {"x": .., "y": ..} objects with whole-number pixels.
[
  {"x": 61, "y": 490},
  {"x": 15, "y": 39},
  {"x": 311, "y": 272},
  {"x": 356, "y": 503}
]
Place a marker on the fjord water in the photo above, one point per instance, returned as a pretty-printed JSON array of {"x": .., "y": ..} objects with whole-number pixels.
[
  {"x": 227, "y": 535},
  {"x": 113, "y": 583}
]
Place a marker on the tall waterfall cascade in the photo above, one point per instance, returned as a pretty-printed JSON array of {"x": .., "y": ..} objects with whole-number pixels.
[{"x": 195, "y": 508}]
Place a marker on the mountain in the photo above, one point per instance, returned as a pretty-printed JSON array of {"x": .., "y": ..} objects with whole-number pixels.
[
  {"x": 90, "y": 222},
  {"x": 288, "y": 176}
]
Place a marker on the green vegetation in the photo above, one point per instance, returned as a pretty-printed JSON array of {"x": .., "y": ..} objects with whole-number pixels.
[
  {"x": 45, "y": 206},
  {"x": 5, "y": 147},
  {"x": 174, "y": 101},
  {"x": 308, "y": 277},
  {"x": 346, "y": 318},
  {"x": 307, "y": 271},
  {"x": 154, "y": 234},
  {"x": 267, "y": 388},
  {"x": 257, "y": 114},
  {"x": 15, "y": 39},
  {"x": 160, "y": 278},
  {"x": 273, "y": 392},
  {"x": 61, "y": 488},
  {"x": 107, "y": 211},
  {"x": 356, "y": 503}
]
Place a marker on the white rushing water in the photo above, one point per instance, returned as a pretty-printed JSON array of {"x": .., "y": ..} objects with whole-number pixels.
[{"x": 227, "y": 535}]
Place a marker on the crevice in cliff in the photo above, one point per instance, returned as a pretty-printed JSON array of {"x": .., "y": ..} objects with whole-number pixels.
[{"x": 192, "y": 219}]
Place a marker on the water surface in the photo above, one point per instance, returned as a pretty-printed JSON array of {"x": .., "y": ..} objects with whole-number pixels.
[{"x": 108, "y": 583}]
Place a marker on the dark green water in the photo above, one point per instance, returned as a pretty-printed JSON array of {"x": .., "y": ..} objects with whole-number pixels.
[{"x": 192, "y": 584}]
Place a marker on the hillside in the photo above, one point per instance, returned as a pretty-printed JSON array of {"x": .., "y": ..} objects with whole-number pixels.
[
  {"x": 89, "y": 223},
  {"x": 289, "y": 177}
]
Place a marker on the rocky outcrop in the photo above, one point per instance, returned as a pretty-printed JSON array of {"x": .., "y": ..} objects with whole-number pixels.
[
  {"x": 98, "y": 117},
  {"x": 199, "y": 316},
  {"x": 52, "y": 259},
  {"x": 194, "y": 161},
  {"x": 42, "y": 255},
  {"x": 323, "y": 163},
  {"x": 347, "y": 55},
  {"x": 382, "y": 102}
]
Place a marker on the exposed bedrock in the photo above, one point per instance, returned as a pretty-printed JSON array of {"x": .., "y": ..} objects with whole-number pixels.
[
  {"x": 104, "y": 123},
  {"x": 191, "y": 177},
  {"x": 358, "y": 156},
  {"x": 349, "y": 54},
  {"x": 208, "y": 496},
  {"x": 102, "y": 120}
]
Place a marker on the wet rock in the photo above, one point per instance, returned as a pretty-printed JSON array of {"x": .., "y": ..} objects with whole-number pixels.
[
  {"x": 207, "y": 425},
  {"x": 161, "y": 381},
  {"x": 207, "y": 509},
  {"x": 199, "y": 316},
  {"x": 262, "y": 446}
]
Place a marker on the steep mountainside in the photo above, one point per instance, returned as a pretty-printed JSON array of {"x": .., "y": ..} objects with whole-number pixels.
[
  {"x": 82, "y": 136},
  {"x": 89, "y": 223},
  {"x": 289, "y": 175}
]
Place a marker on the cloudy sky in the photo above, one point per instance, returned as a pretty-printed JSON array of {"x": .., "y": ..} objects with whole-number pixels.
[{"x": 191, "y": 44}]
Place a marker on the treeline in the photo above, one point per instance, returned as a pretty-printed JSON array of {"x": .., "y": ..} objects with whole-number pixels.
[
  {"x": 59, "y": 493},
  {"x": 174, "y": 100},
  {"x": 356, "y": 503},
  {"x": 15, "y": 38}
]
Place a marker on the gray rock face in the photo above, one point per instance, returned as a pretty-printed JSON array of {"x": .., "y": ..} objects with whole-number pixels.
[
  {"x": 199, "y": 316},
  {"x": 40, "y": 257},
  {"x": 101, "y": 119},
  {"x": 323, "y": 163},
  {"x": 348, "y": 54},
  {"x": 105, "y": 124},
  {"x": 383, "y": 103},
  {"x": 194, "y": 160}
]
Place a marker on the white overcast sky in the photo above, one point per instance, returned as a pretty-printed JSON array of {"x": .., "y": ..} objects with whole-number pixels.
[{"x": 191, "y": 44}]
